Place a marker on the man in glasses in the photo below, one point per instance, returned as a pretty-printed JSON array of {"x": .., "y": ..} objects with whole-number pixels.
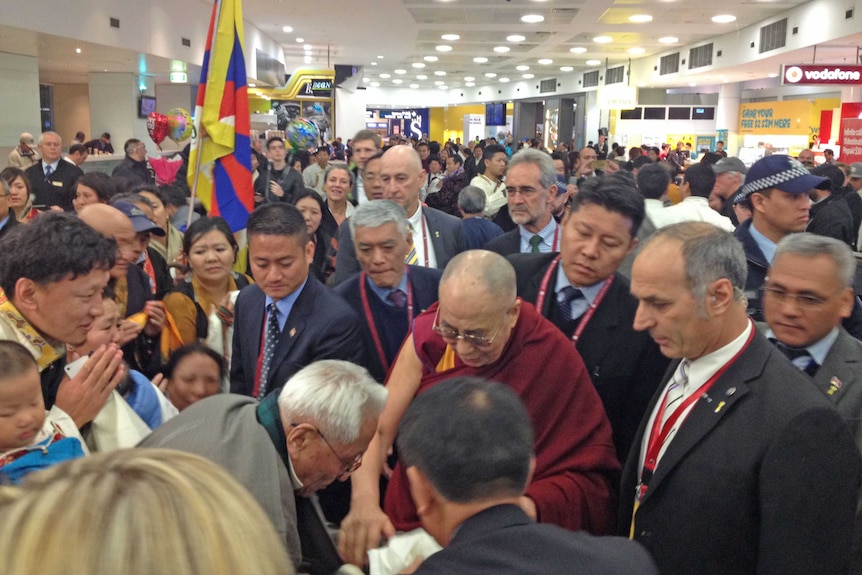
[
  {"x": 480, "y": 328},
  {"x": 288, "y": 446},
  {"x": 134, "y": 167}
]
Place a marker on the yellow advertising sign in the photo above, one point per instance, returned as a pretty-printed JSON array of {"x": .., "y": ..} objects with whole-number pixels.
[{"x": 789, "y": 117}]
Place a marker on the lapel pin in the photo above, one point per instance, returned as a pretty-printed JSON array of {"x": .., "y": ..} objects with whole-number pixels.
[
  {"x": 292, "y": 331},
  {"x": 834, "y": 385},
  {"x": 720, "y": 405},
  {"x": 437, "y": 234},
  {"x": 730, "y": 391}
]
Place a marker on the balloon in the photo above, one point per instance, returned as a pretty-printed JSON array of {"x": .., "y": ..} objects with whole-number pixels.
[
  {"x": 179, "y": 124},
  {"x": 301, "y": 134},
  {"x": 157, "y": 127}
]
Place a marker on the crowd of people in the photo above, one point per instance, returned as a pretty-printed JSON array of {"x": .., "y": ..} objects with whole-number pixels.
[{"x": 598, "y": 361}]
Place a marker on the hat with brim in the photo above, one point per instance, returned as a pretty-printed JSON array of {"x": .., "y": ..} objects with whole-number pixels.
[
  {"x": 140, "y": 221},
  {"x": 784, "y": 173},
  {"x": 730, "y": 164}
]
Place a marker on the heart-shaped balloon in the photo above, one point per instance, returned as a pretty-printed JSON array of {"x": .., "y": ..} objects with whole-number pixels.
[
  {"x": 157, "y": 127},
  {"x": 179, "y": 124}
]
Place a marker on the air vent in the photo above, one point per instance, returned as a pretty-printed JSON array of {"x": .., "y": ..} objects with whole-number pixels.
[
  {"x": 548, "y": 86},
  {"x": 615, "y": 75},
  {"x": 848, "y": 14},
  {"x": 669, "y": 64},
  {"x": 700, "y": 56},
  {"x": 115, "y": 22},
  {"x": 591, "y": 79},
  {"x": 773, "y": 36},
  {"x": 187, "y": 42}
]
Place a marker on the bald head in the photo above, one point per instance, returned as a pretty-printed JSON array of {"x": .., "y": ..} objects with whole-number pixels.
[
  {"x": 481, "y": 270},
  {"x": 113, "y": 223},
  {"x": 402, "y": 175}
]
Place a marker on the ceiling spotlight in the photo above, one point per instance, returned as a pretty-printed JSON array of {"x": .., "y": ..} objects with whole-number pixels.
[
  {"x": 501, "y": 49},
  {"x": 724, "y": 18},
  {"x": 430, "y": 58},
  {"x": 450, "y": 37},
  {"x": 300, "y": 40},
  {"x": 490, "y": 74},
  {"x": 421, "y": 77},
  {"x": 375, "y": 84},
  {"x": 504, "y": 80},
  {"x": 418, "y": 64},
  {"x": 532, "y": 18},
  {"x": 577, "y": 50},
  {"x": 528, "y": 76},
  {"x": 469, "y": 84},
  {"x": 443, "y": 48},
  {"x": 469, "y": 79},
  {"x": 306, "y": 47},
  {"x": 400, "y": 71},
  {"x": 636, "y": 51},
  {"x": 640, "y": 18},
  {"x": 439, "y": 73},
  {"x": 566, "y": 69},
  {"x": 77, "y": 50},
  {"x": 593, "y": 62},
  {"x": 522, "y": 68},
  {"x": 287, "y": 29},
  {"x": 385, "y": 76},
  {"x": 414, "y": 86},
  {"x": 668, "y": 40},
  {"x": 546, "y": 61},
  {"x": 397, "y": 81},
  {"x": 603, "y": 39},
  {"x": 379, "y": 57},
  {"x": 374, "y": 63},
  {"x": 516, "y": 38},
  {"x": 443, "y": 87},
  {"x": 480, "y": 59},
  {"x": 308, "y": 52},
  {"x": 439, "y": 83}
]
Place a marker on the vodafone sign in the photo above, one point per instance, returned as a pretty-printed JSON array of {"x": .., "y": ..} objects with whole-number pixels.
[{"x": 802, "y": 74}]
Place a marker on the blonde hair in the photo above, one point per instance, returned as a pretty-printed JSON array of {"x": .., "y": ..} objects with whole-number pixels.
[{"x": 136, "y": 512}]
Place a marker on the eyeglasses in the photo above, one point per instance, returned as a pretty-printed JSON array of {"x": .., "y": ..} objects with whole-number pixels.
[
  {"x": 803, "y": 300},
  {"x": 526, "y": 192},
  {"x": 347, "y": 467},
  {"x": 452, "y": 335}
]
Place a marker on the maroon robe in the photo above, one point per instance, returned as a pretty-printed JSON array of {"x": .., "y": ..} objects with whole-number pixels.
[{"x": 576, "y": 465}]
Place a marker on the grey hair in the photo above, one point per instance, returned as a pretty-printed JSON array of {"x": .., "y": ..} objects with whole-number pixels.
[
  {"x": 377, "y": 213},
  {"x": 338, "y": 396},
  {"x": 48, "y": 133},
  {"x": 709, "y": 254},
  {"x": 4, "y": 188},
  {"x": 333, "y": 167},
  {"x": 542, "y": 159},
  {"x": 471, "y": 200},
  {"x": 810, "y": 245}
]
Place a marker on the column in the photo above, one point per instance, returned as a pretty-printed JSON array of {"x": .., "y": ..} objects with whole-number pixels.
[
  {"x": 727, "y": 115},
  {"x": 114, "y": 101},
  {"x": 19, "y": 100}
]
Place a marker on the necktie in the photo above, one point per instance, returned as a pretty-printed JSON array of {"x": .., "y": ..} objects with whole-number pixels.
[
  {"x": 398, "y": 298},
  {"x": 535, "y": 241},
  {"x": 272, "y": 333},
  {"x": 412, "y": 257},
  {"x": 675, "y": 391},
  {"x": 798, "y": 356},
  {"x": 566, "y": 296},
  {"x": 48, "y": 171}
]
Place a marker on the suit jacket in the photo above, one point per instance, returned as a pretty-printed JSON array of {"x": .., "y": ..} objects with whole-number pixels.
[
  {"x": 840, "y": 378},
  {"x": 831, "y": 217},
  {"x": 762, "y": 477},
  {"x": 507, "y": 244},
  {"x": 320, "y": 326},
  {"x": 446, "y": 237},
  {"x": 56, "y": 189},
  {"x": 424, "y": 283},
  {"x": 10, "y": 223},
  {"x": 625, "y": 365},
  {"x": 502, "y": 539}
]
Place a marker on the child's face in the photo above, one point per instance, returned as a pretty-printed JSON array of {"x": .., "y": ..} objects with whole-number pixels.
[
  {"x": 22, "y": 410},
  {"x": 105, "y": 329}
]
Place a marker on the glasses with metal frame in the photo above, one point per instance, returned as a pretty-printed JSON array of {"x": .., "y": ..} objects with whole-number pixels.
[
  {"x": 453, "y": 335},
  {"x": 347, "y": 467},
  {"x": 803, "y": 300}
]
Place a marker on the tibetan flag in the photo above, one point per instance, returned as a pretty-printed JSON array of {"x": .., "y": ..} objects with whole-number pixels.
[{"x": 220, "y": 158}]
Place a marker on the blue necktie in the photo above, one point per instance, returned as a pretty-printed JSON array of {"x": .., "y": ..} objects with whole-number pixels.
[
  {"x": 48, "y": 171},
  {"x": 566, "y": 296}
]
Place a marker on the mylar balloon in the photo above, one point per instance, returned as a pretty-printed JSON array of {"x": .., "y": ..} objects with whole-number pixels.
[
  {"x": 157, "y": 127},
  {"x": 179, "y": 124}
]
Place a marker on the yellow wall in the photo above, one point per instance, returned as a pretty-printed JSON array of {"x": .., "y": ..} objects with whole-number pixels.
[{"x": 448, "y": 123}]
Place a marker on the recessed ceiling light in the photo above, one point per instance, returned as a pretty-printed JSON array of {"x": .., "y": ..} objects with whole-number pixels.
[
  {"x": 450, "y": 37},
  {"x": 593, "y": 62},
  {"x": 421, "y": 77},
  {"x": 528, "y": 76},
  {"x": 566, "y": 68},
  {"x": 504, "y": 80},
  {"x": 636, "y": 51},
  {"x": 469, "y": 84},
  {"x": 603, "y": 39},
  {"x": 439, "y": 83},
  {"x": 400, "y": 71},
  {"x": 375, "y": 84},
  {"x": 374, "y": 63},
  {"x": 430, "y": 58},
  {"x": 287, "y": 29},
  {"x": 724, "y": 18},
  {"x": 414, "y": 86},
  {"x": 385, "y": 76},
  {"x": 640, "y": 18},
  {"x": 773, "y": 75},
  {"x": 443, "y": 48},
  {"x": 577, "y": 50},
  {"x": 439, "y": 73},
  {"x": 77, "y": 50},
  {"x": 501, "y": 49},
  {"x": 300, "y": 40},
  {"x": 397, "y": 81},
  {"x": 306, "y": 47},
  {"x": 532, "y": 18},
  {"x": 522, "y": 68},
  {"x": 480, "y": 59},
  {"x": 379, "y": 57},
  {"x": 469, "y": 79},
  {"x": 308, "y": 52},
  {"x": 546, "y": 61},
  {"x": 490, "y": 74},
  {"x": 418, "y": 64},
  {"x": 443, "y": 87},
  {"x": 516, "y": 38},
  {"x": 252, "y": 85},
  {"x": 668, "y": 40}
]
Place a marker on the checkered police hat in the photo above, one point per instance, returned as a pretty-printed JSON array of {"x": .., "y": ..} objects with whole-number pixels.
[{"x": 782, "y": 172}]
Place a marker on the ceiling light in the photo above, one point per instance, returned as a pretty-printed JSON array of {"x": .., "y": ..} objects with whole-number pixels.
[
  {"x": 439, "y": 83},
  {"x": 400, "y": 71},
  {"x": 516, "y": 38},
  {"x": 287, "y": 29},
  {"x": 306, "y": 47},
  {"x": 418, "y": 64},
  {"x": 443, "y": 48},
  {"x": 375, "y": 84},
  {"x": 385, "y": 76},
  {"x": 490, "y": 74},
  {"x": 504, "y": 80},
  {"x": 469, "y": 84},
  {"x": 300, "y": 40},
  {"x": 77, "y": 50},
  {"x": 501, "y": 49},
  {"x": 450, "y": 37},
  {"x": 439, "y": 73},
  {"x": 724, "y": 18},
  {"x": 603, "y": 39},
  {"x": 308, "y": 52},
  {"x": 532, "y": 18},
  {"x": 251, "y": 85},
  {"x": 480, "y": 59},
  {"x": 668, "y": 40},
  {"x": 522, "y": 68},
  {"x": 528, "y": 76},
  {"x": 636, "y": 51},
  {"x": 430, "y": 58},
  {"x": 546, "y": 61},
  {"x": 421, "y": 77},
  {"x": 414, "y": 86},
  {"x": 444, "y": 87},
  {"x": 566, "y": 69},
  {"x": 374, "y": 63},
  {"x": 379, "y": 57},
  {"x": 397, "y": 81},
  {"x": 577, "y": 50},
  {"x": 469, "y": 79},
  {"x": 593, "y": 62},
  {"x": 640, "y": 18}
]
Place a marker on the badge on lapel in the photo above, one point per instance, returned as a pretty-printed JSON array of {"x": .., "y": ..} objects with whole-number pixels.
[{"x": 834, "y": 385}]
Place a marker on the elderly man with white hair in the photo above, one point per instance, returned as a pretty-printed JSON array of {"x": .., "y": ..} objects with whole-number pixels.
[{"x": 288, "y": 446}]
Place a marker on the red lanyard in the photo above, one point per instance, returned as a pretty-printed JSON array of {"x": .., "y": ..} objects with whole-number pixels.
[
  {"x": 543, "y": 290},
  {"x": 369, "y": 317},
  {"x": 657, "y": 436},
  {"x": 424, "y": 240},
  {"x": 257, "y": 383}
]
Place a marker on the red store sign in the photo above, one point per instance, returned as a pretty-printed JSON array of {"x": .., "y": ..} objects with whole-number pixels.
[{"x": 798, "y": 74}]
